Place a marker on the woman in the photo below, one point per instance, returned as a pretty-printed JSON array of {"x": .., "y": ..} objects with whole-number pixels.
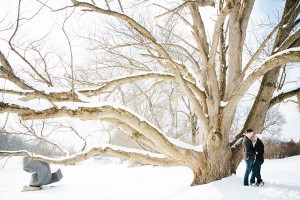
[{"x": 259, "y": 160}]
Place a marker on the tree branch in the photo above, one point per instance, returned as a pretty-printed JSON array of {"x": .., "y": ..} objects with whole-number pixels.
[
  {"x": 137, "y": 77},
  {"x": 238, "y": 23},
  {"x": 53, "y": 96},
  {"x": 7, "y": 72},
  {"x": 136, "y": 26},
  {"x": 199, "y": 33},
  {"x": 105, "y": 112},
  {"x": 259, "y": 50},
  {"x": 143, "y": 156},
  {"x": 174, "y": 11},
  {"x": 73, "y": 76},
  {"x": 290, "y": 40},
  {"x": 291, "y": 55},
  {"x": 23, "y": 57},
  {"x": 283, "y": 96},
  {"x": 217, "y": 30}
]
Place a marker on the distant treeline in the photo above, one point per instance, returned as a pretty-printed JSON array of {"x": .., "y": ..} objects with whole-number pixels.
[
  {"x": 12, "y": 142},
  {"x": 276, "y": 148}
]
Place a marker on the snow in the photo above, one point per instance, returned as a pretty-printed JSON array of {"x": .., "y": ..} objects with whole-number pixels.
[
  {"x": 23, "y": 104},
  {"x": 185, "y": 145},
  {"x": 237, "y": 142},
  {"x": 281, "y": 53},
  {"x": 130, "y": 150},
  {"x": 267, "y": 59},
  {"x": 107, "y": 180},
  {"x": 224, "y": 103}
]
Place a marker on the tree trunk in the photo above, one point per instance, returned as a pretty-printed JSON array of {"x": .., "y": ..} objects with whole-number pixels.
[
  {"x": 217, "y": 164},
  {"x": 237, "y": 156}
]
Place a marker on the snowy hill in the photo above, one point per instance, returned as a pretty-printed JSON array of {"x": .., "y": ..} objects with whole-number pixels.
[{"x": 93, "y": 179}]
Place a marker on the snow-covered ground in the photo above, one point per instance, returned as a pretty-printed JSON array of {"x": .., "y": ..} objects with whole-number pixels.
[{"x": 97, "y": 180}]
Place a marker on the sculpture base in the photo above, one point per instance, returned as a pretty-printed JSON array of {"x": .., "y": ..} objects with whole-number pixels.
[{"x": 29, "y": 188}]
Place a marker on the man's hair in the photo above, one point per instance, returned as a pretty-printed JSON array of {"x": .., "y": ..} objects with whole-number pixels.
[{"x": 249, "y": 130}]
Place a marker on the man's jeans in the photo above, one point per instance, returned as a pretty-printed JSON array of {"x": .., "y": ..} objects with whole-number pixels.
[
  {"x": 256, "y": 172},
  {"x": 249, "y": 165}
]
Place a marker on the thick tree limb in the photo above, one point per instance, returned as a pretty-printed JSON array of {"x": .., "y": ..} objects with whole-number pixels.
[
  {"x": 290, "y": 40},
  {"x": 273, "y": 62},
  {"x": 54, "y": 96},
  {"x": 7, "y": 72},
  {"x": 289, "y": 16},
  {"x": 283, "y": 96},
  {"x": 217, "y": 30},
  {"x": 145, "y": 157},
  {"x": 238, "y": 22},
  {"x": 198, "y": 105},
  {"x": 133, "y": 133},
  {"x": 137, "y": 77},
  {"x": 104, "y": 112},
  {"x": 68, "y": 96},
  {"x": 199, "y": 33}
]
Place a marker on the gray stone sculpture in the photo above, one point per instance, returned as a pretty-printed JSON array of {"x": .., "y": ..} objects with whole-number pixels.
[{"x": 41, "y": 174}]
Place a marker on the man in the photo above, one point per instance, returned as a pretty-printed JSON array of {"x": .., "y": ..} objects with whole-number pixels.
[
  {"x": 259, "y": 160},
  {"x": 249, "y": 154}
]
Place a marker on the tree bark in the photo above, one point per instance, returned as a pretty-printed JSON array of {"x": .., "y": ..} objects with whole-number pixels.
[{"x": 217, "y": 162}]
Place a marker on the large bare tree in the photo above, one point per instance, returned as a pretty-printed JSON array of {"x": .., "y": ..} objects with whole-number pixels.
[{"x": 209, "y": 69}]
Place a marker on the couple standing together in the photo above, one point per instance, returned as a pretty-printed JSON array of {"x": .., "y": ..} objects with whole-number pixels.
[{"x": 254, "y": 157}]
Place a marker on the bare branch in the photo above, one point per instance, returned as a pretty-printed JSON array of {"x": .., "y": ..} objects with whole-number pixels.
[
  {"x": 174, "y": 11},
  {"x": 259, "y": 50},
  {"x": 4, "y": 124},
  {"x": 7, "y": 72},
  {"x": 180, "y": 38},
  {"x": 136, "y": 26},
  {"x": 71, "y": 56},
  {"x": 22, "y": 57},
  {"x": 128, "y": 79},
  {"x": 120, "y": 5}
]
